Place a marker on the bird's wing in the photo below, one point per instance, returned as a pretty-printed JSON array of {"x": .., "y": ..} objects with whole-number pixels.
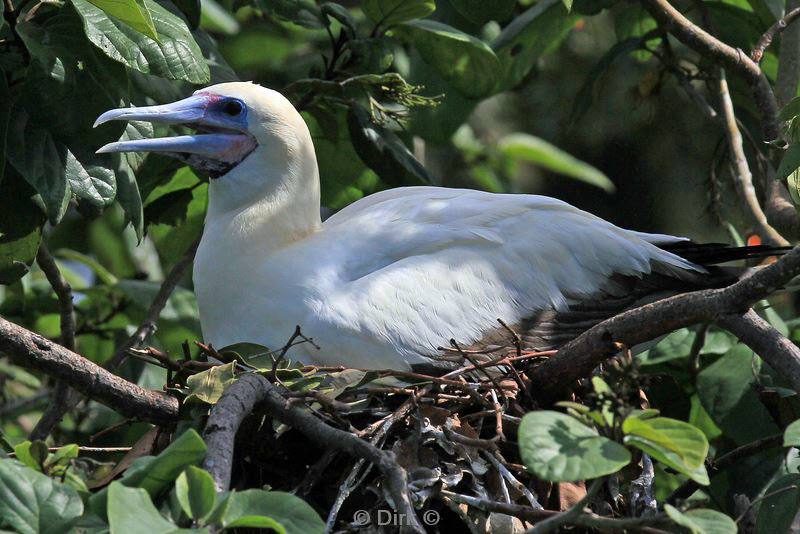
[{"x": 423, "y": 265}]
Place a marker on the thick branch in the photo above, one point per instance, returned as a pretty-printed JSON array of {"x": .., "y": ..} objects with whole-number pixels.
[
  {"x": 578, "y": 357},
  {"x": 32, "y": 350},
  {"x": 240, "y": 398},
  {"x": 741, "y": 170},
  {"x": 733, "y": 59},
  {"x": 779, "y": 353}
]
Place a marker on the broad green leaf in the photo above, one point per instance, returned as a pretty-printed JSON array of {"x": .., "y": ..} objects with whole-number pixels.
[
  {"x": 32, "y": 454},
  {"x": 20, "y": 227},
  {"x": 272, "y": 509},
  {"x": 33, "y": 503},
  {"x": 789, "y": 169},
  {"x": 383, "y": 151},
  {"x": 602, "y": 389},
  {"x": 387, "y": 13},
  {"x": 481, "y": 11},
  {"x": 128, "y": 194},
  {"x": 791, "y": 110},
  {"x": 702, "y": 520},
  {"x": 556, "y": 447},
  {"x": 153, "y": 474},
  {"x": 529, "y": 36},
  {"x": 674, "y": 443},
  {"x": 779, "y": 506},
  {"x": 339, "y": 13},
  {"x": 464, "y": 61},
  {"x": 61, "y": 457},
  {"x": 130, "y": 511},
  {"x": 725, "y": 391},
  {"x": 134, "y": 13},
  {"x": 525, "y": 147},
  {"x": 175, "y": 56},
  {"x": 791, "y": 436},
  {"x": 196, "y": 492},
  {"x": 209, "y": 385}
]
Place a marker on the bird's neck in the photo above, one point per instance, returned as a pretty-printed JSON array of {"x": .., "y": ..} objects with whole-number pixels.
[{"x": 288, "y": 211}]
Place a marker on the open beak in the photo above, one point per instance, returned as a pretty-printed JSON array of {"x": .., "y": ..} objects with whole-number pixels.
[{"x": 221, "y": 142}]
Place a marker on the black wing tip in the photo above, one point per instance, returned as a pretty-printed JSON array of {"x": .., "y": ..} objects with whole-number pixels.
[{"x": 714, "y": 253}]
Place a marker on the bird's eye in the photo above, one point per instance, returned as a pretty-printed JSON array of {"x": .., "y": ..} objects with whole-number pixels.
[{"x": 232, "y": 108}]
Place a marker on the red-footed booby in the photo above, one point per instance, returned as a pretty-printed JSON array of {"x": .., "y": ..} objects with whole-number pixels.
[{"x": 391, "y": 278}]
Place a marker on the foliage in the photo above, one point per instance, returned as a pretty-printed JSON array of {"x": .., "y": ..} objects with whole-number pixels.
[{"x": 376, "y": 80}]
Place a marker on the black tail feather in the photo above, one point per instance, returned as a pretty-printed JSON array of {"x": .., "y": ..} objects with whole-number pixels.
[{"x": 714, "y": 253}]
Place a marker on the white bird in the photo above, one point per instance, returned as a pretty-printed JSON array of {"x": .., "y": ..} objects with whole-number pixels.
[{"x": 387, "y": 281}]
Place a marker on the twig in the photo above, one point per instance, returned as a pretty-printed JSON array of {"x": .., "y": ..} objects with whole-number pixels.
[
  {"x": 109, "y": 450},
  {"x": 250, "y": 389},
  {"x": 734, "y": 59},
  {"x": 148, "y": 325},
  {"x": 762, "y": 497},
  {"x": 506, "y": 474},
  {"x": 32, "y": 350},
  {"x": 578, "y": 357},
  {"x": 779, "y": 353},
  {"x": 741, "y": 170},
  {"x": 766, "y": 39},
  {"x": 63, "y": 292}
]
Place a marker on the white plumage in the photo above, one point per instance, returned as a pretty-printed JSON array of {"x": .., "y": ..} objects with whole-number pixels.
[{"x": 389, "y": 279}]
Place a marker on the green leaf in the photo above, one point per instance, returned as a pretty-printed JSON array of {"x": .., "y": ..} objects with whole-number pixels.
[
  {"x": 791, "y": 436},
  {"x": 33, "y": 503},
  {"x": 61, "y": 457},
  {"x": 464, "y": 61},
  {"x": 529, "y": 36},
  {"x": 791, "y": 110},
  {"x": 779, "y": 506},
  {"x": 209, "y": 385},
  {"x": 480, "y": 11},
  {"x": 32, "y": 454},
  {"x": 153, "y": 474},
  {"x": 789, "y": 169},
  {"x": 196, "y": 492},
  {"x": 301, "y": 12},
  {"x": 388, "y": 13},
  {"x": 130, "y": 511},
  {"x": 339, "y": 13},
  {"x": 524, "y": 147},
  {"x": 702, "y": 520},
  {"x": 20, "y": 227},
  {"x": 215, "y": 18},
  {"x": 181, "y": 306},
  {"x": 557, "y": 447},
  {"x": 272, "y": 509},
  {"x": 674, "y": 443},
  {"x": 175, "y": 56},
  {"x": 383, "y": 151},
  {"x": 132, "y": 12}
]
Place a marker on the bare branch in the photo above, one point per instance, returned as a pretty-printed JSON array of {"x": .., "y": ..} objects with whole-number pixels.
[
  {"x": 779, "y": 353},
  {"x": 148, "y": 325},
  {"x": 240, "y": 398},
  {"x": 766, "y": 39},
  {"x": 63, "y": 292},
  {"x": 578, "y": 357},
  {"x": 32, "y": 350},
  {"x": 741, "y": 170},
  {"x": 732, "y": 58},
  {"x": 62, "y": 396}
]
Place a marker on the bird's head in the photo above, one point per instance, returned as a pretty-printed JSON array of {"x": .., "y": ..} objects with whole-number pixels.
[{"x": 250, "y": 140}]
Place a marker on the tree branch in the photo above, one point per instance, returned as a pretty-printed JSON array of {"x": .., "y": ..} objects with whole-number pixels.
[
  {"x": 62, "y": 396},
  {"x": 578, "y": 357},
  {"x": 32, "y": 350},
  {"x": 732, "y": 58},
  {"x": 766, "y": 39},
  {"x": 251, "y": 389},
  {"x": 741, "y": 170},
  {"x": 779, "y": 353}
]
